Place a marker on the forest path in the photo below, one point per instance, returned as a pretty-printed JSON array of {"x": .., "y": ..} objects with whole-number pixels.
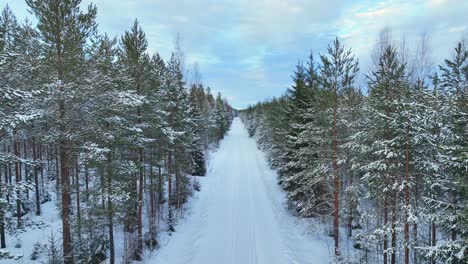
[{"x": 239, "y": 215}]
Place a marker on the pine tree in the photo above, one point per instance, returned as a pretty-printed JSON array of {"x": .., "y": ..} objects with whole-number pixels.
[
  {"x": 382, "y": 141},
  {"x": 64, "y": 30},
  {"x": 454, "y": 79},
  {"x": 133, "y": 52},
  {"x": 338, "y": 72},
  {"x": 107, "y": 123},
  {"x": 102, "y": 143},
  {"x": 18, "y": 66},
  {"x": 9, "y": 27},
  {"x": 352, "y": 112},
  {"x": 400, "y": 153}
]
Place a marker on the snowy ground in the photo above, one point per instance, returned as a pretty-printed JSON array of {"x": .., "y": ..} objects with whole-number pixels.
[
  {"x": 21, "y": 246},
  {"x": 239, "y": 216}
]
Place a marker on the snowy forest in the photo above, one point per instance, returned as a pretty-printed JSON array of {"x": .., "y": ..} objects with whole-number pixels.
[
  {"x": 383, "y": 163},
  {"x": 114, "y": 151},
  {"x": 96, "y": 130}
]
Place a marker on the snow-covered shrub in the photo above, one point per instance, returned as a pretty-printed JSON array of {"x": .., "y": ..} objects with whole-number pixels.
[{"x": 37, "y": 251}]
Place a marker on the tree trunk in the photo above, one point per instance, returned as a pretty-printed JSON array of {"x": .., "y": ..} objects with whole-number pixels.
[
  {"x": 17, "y": 180},
  {"x": 87, "y": 181},
  {"x": 177, "y": 183},
  {"x": 351, "y": 206},
  {"x": 5, "y": 165},
  {"x": 433, "y": 240},
  {"x": 66, "y": 201},
  {"x": 394, "y": 219},
  {"x": 36, "y": 179},
  {"x": 41, "y": 168},
  {"x": 385, "y": 239},
  {"x": 415, "y": 225},
  {"x": 454, "y": 231},
  {"x": 26, "y": 169},
  {"x": 8, "y": 174},
  {"x": 152, "y": 213},
  {"x": 64, "y": 150},
  {"x": 407, "y": 198},
  {"x": 2, "y": 214},
  {"x": 336, "y": 180},
  {"x": 110, "y": 209},
  {"x": 169, "y": 188},
  {"x": 139, "y": 251},
  {"x": 57, "y": 168},
  {"x": 2, "y": 229},
  {"x": 78, "y": 202},
  {"x": 160, "y": 187}
]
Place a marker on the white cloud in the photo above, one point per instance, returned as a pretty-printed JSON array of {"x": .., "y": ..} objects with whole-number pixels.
[
  {"x": 360, "y": 24},
  {"x": 248, "y": 48}
]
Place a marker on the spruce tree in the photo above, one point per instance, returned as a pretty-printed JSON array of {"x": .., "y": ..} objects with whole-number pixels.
[
  {"x": 197, "y": 146},
  {"x": 221, "y": 123},
  {"x": 298, "y": 104}
]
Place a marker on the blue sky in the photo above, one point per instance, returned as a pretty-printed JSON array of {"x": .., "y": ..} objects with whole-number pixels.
[{"x": 247, "y": 49}]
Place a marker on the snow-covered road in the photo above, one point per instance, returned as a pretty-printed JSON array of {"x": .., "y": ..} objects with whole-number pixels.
[{"x": 239, "y": 216}]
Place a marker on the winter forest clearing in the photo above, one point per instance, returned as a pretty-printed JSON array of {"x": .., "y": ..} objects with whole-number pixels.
[{"x": 114, "y": 150}]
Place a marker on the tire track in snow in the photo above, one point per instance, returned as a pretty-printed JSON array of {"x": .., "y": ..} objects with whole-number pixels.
[{"x": 239, "y": 216}]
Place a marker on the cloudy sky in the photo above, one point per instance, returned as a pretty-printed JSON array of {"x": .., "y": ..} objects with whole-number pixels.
[{"x": 247, "y": 49}]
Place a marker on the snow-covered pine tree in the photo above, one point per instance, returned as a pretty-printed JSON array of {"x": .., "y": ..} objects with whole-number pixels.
[
  {"x": 454, "y": 79},
  {"x": 176, "y": 107},
  {"x": 71, "y": 112},
  {"x": 134, "y": 58},
  {"x": 18, "y": 68},
  {"x": 64, "y": 31},
  {"x": 401, "y": 153},
  {"x": 108, "y": 139},
  {"x": 338, "y": 71},
  {"x": 9, "y": 27},
  {"x": 351, "y": 114},
  {"x": 381, "y": 143}
]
